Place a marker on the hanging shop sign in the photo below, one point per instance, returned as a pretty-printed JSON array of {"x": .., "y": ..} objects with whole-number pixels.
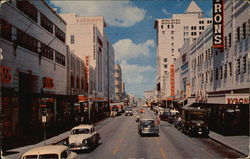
[
  {"x": 172, "y": 88},
  {"x": 5, "y": 74},
  {"x": 87, "y": 70},
  {"x": 218, "y": 23},
  {"x": 82, "y": 98},
  {"x": 48, "y": 82}
]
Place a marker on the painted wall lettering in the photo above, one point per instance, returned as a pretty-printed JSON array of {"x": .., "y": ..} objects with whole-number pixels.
[
  {"x": 5, "y": 74},
  {"x": 244, "y": 100}
]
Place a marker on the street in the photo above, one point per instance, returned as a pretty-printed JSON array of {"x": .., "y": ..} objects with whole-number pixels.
[{"x": 120, "y": 139}]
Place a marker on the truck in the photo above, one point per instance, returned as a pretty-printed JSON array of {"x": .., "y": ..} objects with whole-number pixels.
[{"x": 194, "y": 121}]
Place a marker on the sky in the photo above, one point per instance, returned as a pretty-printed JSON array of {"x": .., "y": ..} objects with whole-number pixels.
[{"x": 131, "y": 31}]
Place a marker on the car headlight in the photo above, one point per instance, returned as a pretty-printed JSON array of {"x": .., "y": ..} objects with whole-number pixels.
[{"x": 85, "y": 141}]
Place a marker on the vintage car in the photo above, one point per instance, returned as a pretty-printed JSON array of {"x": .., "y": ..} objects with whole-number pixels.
[
  {"x": 194, "y": 121},
  {"x": 148, "y": 126},
  {"x": 83, "y": 137},
  {"x": 164, "y": 116},
  {"x": 49, "y": 152},
  {"x": 128, "y": 111}
]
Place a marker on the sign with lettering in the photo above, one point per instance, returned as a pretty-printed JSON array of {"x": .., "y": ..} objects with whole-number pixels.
[
  {"x": 172, "y": 88},
  {"x": 5, "y": 74},
  {"x": 82, "y": 98},
  {"x": 48, "y": 82},
  {"x": 87, "y": 70},
  {"x": 218, "y": 23},
  {"x": 238, "y": 100}
]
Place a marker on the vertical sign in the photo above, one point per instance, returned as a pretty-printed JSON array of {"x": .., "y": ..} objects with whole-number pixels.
[
  {"x": 218, "y": 23},
  {"x": 5, "y": 74},
  {"x": 172, "y": 88},
  {"x": 87, "y": 71}
]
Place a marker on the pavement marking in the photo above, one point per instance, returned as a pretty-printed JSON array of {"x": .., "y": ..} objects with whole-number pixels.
[
  {"x": 157, "y": 141},
  {"x": 163, "y": 153},
  {"x": 209, "y": 154},
  {"x": 115, "y": 150}
]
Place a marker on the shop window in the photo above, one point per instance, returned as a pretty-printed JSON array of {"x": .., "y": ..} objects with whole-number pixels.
[
  {"x": 27, "y": 42},
  {"x": 59, "y": 58},
  {"x": 5, "y": 30},
  {"x": 27, "y": 8},
  {"x": 59, "y": 34},
  {"x": 46, "y": 24},
  {"x": 47, "y": 51}
]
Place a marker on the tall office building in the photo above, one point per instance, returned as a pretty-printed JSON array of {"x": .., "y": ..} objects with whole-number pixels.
[{"x": 171, "y": 35}]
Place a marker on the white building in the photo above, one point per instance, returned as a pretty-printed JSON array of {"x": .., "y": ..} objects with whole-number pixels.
[
  {"x": 33, "y": 67},
  {"x": 118, "y": 82},
  {"x": 86, "y": 39},
  {"x": 171, "y": 35},
  {"x": 149, "y": 94}
]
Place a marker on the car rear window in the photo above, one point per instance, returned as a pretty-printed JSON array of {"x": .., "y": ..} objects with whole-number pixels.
[
  {"x": 49, "y": 156},
  {"x": 80, "y": 131},
  {"x": 30, "y": 157}
]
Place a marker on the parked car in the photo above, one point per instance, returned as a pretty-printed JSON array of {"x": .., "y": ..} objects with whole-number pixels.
[
  {"x": 49, "y": 152},
  {"x": 128, "y": 111},
  {"x": 171, "y": 116},
  {"x": 148, "y": 126},
  {"x": 194, "y": 121},
  {"x": 83, "y": 137}
]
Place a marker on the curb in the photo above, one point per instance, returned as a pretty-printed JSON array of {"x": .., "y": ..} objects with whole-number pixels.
[
  {"x": 55, "y": 143},
  {"x": 228, "y": 147}
]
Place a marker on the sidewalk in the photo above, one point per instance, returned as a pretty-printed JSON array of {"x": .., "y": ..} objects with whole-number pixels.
[
  {"x": 238, "y": 143},
  {"x": 16, "y": 153}
]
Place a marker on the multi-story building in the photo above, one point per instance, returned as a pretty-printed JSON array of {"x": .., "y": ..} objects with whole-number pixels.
[
  {"x": 33, "y": 67},
  {"x": 118, "y": 82},
  {"x": 149, "y": 94},
  {"x": 86, "y": 39},
  {"x": 171, "y": 35}
]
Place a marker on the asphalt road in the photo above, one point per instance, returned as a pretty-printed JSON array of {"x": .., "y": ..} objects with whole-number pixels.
[{"x": 120, "y": 140}]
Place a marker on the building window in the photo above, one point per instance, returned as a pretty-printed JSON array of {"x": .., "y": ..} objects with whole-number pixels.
[
  {"x": 172, "y": 44},
  {"x": 194, "y": 39},
  {"x": 200, "y": 33},
  {"x": 225, "y": 71},
  {"x": 163, "y": 32},
  {"x": 185, "y": 27},
  {"x": 162, "y": 26},
  {"x": 244, "y": 30},
  {"x": 165, "y": 60},
  {"x": 27, "y": 8},
  {"x": 72, "y": 39},
  {"x": 225, "y": 42},
  {"x": 185, "y": 33},
  {"x": 27, "y": 42},
  {"x": 172, "y": 50},
  {"x": 59, "y": 34},
  {"x": 5, "y": 30},
  {"x": 211, "y": 77},
  {"x": 172, "y": 32},
  {"x": 238, "y": 66},
  {"x": 172, "y": 38},
  {"x": 238, "y": 34},
  {"x": 168, "y": 26},
  {"x": 72, "y": 80},
  {"x": 47, "y": 51},
  {"x": 216, "y": 73},
  {"x": 244, "y": 64},
  {"x": 172, "y": 26},
  {"x": 221, "y": 72},
  {"x": 229, "y": 39},
  {"x": 230, "y": 68},
  {"x": 165, "y": 66},
  {"x": 59, "y": 58},
  {"x": 46, "y": 24}
]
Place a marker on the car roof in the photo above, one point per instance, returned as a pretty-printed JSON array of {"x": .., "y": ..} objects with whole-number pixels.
[
  {"x": 49, "y": 149},
  {"x": 147, "y": 119},
  {"x": 81, "y": 126}
]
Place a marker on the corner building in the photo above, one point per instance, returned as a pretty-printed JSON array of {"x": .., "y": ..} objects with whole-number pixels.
[
  {"x": 171, "y": 35},
  {"x": 33, "y": 67}
]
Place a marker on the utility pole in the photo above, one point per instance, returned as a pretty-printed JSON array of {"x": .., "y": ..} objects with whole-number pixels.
[{"x": 108, "y": 79}]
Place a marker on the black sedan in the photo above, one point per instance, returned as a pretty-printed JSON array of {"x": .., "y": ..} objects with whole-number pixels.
[{"x": 148, "y": 126}]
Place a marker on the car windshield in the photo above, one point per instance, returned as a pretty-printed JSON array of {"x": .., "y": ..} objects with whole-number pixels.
[
  {"x": 49, "y": 156},
  {"x": 147, "y": 122},
  {"x": 30, "y": 157},
  {"x": 80, "y": 131},
  {"x": 197, "y": 116}
]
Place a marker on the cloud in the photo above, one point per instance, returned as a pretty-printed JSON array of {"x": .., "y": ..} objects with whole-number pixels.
[
  {"x": 166, "y": 12},
  {"x": 135, "y": 74},
  {"x": 116, "y": 13},
  {"x": 126, "y": 49}
]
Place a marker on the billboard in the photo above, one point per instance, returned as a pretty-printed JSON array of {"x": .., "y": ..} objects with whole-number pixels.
[{"x": 218, "y": 16}]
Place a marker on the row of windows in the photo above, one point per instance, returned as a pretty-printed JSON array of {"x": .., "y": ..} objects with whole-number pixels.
[
  {"x": 200, "y": 59},
  {"x": 208, "y": 22},
  {"x": 168, "y": 26},
  {"x": 27, "y": 8},
  {"x": 28, "y": 42},
  {"x": 77, "y": 82}
]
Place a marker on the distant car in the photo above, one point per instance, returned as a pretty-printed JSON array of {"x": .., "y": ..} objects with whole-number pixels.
[
  {"x": 164, "y": 116},
  {"x": 128, "y": 111},
  {"x": 148, "y": 126},
  {"x": 83, "y": 137},
  {"x": 49, "y": 152}
]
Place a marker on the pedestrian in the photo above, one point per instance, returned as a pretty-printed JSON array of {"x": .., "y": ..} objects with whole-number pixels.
[{"x": 137, "y": 117}]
